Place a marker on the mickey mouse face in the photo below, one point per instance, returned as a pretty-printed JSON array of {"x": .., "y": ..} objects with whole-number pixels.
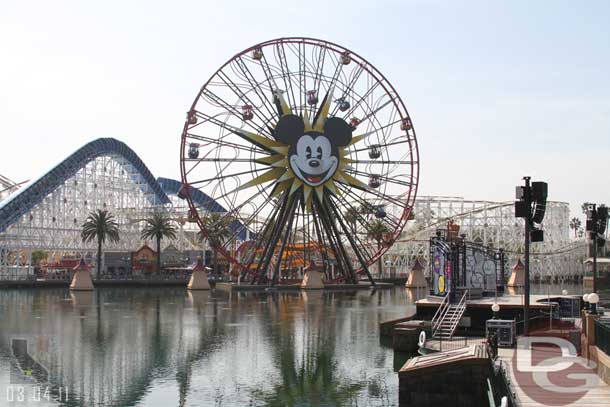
[
  {"x": 313, "y": 156},
  {"x": 312, "y": 161}
]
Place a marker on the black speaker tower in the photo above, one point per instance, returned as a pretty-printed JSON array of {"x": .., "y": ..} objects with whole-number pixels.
[{"x": 531, "y": 206}]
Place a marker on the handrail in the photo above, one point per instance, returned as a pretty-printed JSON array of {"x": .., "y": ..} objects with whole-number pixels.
[
  {"x": 439, "y": 307},
  {"x": 437, "y": 319},
  {"x": 461, "y": 307}
]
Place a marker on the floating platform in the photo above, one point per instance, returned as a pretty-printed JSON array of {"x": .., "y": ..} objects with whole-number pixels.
[{"x": 478, "y": 311}]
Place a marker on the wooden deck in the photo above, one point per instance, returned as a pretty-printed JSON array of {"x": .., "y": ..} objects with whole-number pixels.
[{"x": 555, "y": 385}]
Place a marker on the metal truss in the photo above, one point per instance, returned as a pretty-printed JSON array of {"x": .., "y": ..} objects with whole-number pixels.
[
  {"x": 491, "y": 224},
  {"x": 48, "y": 214}
]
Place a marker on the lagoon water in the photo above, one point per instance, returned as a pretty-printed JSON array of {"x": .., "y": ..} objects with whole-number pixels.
[{"x": 169, "y": 347}]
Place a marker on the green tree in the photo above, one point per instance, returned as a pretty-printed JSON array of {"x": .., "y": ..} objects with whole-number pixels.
[
  {"x": 157, "y": 227},
  {"x": 100, "y": 225},
  {"x": 375, "y": 230},
  {"x": 217, "y": 231},
  {"x": 575, "y": 224},
  {"x": 38, "y": 256}
]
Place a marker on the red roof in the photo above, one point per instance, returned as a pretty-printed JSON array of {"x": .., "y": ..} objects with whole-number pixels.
[{"x": 518, "y": 265}]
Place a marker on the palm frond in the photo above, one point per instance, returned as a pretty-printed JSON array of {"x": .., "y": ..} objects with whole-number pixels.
[
  {"x": 159, "y": 226},
  {"x": 100, "y": 225}
]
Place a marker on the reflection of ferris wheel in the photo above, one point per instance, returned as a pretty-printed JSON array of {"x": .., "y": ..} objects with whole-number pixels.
[{"x": 311, "y": 138}]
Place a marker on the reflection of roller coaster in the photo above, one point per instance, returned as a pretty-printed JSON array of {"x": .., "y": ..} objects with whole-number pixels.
[{"x": 491, "y": 224}]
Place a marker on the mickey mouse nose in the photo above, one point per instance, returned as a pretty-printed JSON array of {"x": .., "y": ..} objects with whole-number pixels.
[{"x": 314, "y": 163}]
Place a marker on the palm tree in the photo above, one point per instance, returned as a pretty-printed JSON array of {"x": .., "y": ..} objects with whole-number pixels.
[
  {"x": 100, "y": 225},
  {"x": 217, "y": 228},
  {"x": 158, "y": 227},
  {"x": 575, "y": 224},
  {"x": 376, "y": 229}
]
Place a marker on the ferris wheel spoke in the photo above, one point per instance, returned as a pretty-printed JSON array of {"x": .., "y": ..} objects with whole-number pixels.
[
  {"x": 354, "y": 241},
  {"x": 224, "y": 176},
  {"x": 287, "y": 220},
  {"x": 388, "y": 198},
  {"x": 257, "y": 140},
  {"x": 272, "y": 84},
  {"x": 385, "y": 145},
  {"x": 381, "y": 178},
  {"x": 339, "y": 253},
  {"x": 388, "y": 162},
  {"x": 244, "y": 226},
  {"x": 222, "y": 160},
  {"x": 280, "y": 55},
  {"x": 349, "y": 87},
  {"x": 369, "y": 208},
  {"x": 219, "y": 102},
  {"x": 373, "y": 113},
  {"x": 261, "y": 116},
  {"x": 224, "y": 143},
  {"x": 258, "y": 87},
  {"x": 362, "y": 99},
  {"x": 233, "y": 111}
]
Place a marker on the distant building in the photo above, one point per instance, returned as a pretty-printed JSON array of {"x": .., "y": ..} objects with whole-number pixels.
[{"x": 144, "y": 260}]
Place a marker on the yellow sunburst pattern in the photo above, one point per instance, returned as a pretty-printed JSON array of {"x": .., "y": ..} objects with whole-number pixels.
[{"x": 277, "y": 159}]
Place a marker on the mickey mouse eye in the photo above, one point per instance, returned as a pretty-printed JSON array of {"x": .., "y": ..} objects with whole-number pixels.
[
  {"x": 319, "y": 151},
  {"x": 308, "y": 152}
]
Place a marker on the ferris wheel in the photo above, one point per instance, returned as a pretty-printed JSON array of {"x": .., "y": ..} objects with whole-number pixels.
[{"x": 309, "y": 156}]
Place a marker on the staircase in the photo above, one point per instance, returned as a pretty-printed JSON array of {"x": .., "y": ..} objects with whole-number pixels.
[{"x": 448, "y": 317}]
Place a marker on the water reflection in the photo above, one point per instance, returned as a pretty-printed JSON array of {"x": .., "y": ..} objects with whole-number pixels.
[{"x": 165, "y": 347}]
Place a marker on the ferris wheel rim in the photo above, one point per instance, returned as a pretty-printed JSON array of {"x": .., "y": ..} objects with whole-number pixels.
[{"x": 389, "y": 90}]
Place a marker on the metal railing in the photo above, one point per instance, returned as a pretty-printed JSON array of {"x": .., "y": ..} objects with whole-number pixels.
[
  {"x": 602, "y": 335},
  {"x": 503, "y": 387},
  {"x": 459, "y": 313},
  {"x": 438, "y": 317},
  {"x": 67, "y": 276}
]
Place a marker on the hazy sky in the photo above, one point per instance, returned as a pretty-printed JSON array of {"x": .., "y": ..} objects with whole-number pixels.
[{"x": 496, "y": 89}]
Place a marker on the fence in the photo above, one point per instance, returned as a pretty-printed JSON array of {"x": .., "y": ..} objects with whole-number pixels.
[
  {"x": 602, "y": 335},
  {"x": 502, "y": 386}
]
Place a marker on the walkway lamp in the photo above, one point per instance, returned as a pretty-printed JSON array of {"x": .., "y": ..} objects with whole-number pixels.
[
  {"x": 495, "y": 308},
  {"x": 585, "y": 298}
]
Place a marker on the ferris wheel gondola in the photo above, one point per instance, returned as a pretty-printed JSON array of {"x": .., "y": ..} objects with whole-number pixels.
[{"x": 311, "y": 138}]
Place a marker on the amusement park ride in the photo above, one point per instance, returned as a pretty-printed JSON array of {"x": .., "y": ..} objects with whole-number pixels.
[{"x": 311, "y": 138}]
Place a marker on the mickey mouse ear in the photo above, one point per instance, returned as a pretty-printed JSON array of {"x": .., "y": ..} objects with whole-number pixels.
[
  {"x": 289, "y": 129},
  {"x": 338, "y": 130}
]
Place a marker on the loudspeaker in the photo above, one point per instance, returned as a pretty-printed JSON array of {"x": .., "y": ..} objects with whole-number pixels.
[
  {"x": 537, "y": 235},
  {"x": 601, "y": 242},
  {"x": 520, "y": 192},
  {"x": 522, "y": 209},
  {"x": 539, "y": 191},
  {"x": 602, "y": 219},
  {"x": 539, "y": 194}
]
